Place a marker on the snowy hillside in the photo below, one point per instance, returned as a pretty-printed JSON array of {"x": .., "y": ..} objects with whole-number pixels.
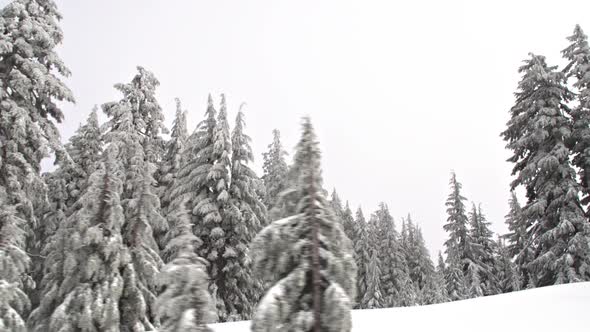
[{"x": 555, "y": 308}]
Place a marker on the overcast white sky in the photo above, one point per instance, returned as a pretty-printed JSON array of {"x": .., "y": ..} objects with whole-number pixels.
[{"x": 399, "y": 92}]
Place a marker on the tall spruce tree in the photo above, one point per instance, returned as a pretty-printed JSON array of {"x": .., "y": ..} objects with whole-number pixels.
[
  {"x": 519, "y": 245},
  {"x": 66, "y": 185},
  {"x": 458, "y": 245},
  {"x": 193, "y": 190},
  {"x": 184, "y": 304},
  {"x": 247, "y": 215},
  {"x": 537, "y": 133},
  {"x": 133, "y": 134},
  {"x": 436, "y": 290},
  {"x": 85, "y": 293},
  {"x": 308, "y": 257},
  {"x": 578, "y": 68},
  {"x": 505, "y": 270},
  {"x": 362, "y": 251},
  {"x": 30, "y": 89},
  {"x": 85, "y": 149},
  {"x": 275, "y": 170},
  {"x": 395, "y": 278},
  {"x": 373, "y": 298},
  {"x": 484, "y": 248},
  {"x": 420, "y": 266},
  {"x": 172, "y": 160}
]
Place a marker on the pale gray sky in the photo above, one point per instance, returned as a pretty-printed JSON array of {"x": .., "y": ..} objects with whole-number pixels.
[{"x": 400, "y": 92}]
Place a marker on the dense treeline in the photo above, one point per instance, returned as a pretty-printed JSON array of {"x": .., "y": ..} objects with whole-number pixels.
[{"x": 138, "y": 231}]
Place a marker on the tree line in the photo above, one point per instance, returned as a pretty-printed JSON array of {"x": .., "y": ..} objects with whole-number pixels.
[{"x": 134, "y": 231}]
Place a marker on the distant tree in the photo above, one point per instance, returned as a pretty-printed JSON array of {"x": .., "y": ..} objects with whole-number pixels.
[
  {"x": 420, "y": 266},
  {"x": 172, "y": 160},
  {"x": 247, "y": 215},
  {"x": 373, "y": 297},
  {"x": 184, "y": 304},
  {"x": 395, "y": 278},
  {"x": 537, "y": 133},
  {"x": 308, "y": 257},
  {"x": 362, "y": 251},
  {"x": 484, "y": 248},
  {"x": 458, "y": 246},
  {"x": 436, "y": 290},
  {"x": 85, "y": 149},
  {"x": 275, "y": 170},
  {"x": 505, "y": 270},
  {"x": 519, "y": 246}
]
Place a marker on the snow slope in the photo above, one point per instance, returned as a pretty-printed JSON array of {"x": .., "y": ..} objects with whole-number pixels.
[{"x": 555, "y": 308}]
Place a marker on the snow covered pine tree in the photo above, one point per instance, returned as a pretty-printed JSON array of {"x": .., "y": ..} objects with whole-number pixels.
[
  {"x": 309, "y": 258},
  {"x": 537, "y": 133},
  {"x": 30, "y": 87}
]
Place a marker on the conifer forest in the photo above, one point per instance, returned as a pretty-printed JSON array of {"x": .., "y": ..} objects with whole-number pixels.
[{"x": 140, "y": 225}]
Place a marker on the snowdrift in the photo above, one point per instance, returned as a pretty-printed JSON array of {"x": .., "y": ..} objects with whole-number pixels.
[{"x": 555, "y": 308}]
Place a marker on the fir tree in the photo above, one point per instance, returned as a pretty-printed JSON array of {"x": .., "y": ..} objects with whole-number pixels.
[
  {"x": 86, "y": 297},
  {"x": 362, "y": 251},
  {"x": 373, "y": 298},
  {"x": 519, "y": 246},
  {"x": 85, "y": 149},
  {"x": 395, "y": 279},
  {"x": 133, "y": 134},
  {"x": 436, "y": 287},
  {"x": 275, "y": 171},
  {"x": 578, "y": 56},
  {"x": 246, "y": 214},
  {"x": 309, "y": 258},
  {"x": 458, "y": 246},
  {"x": 193, "y": 190},
  {"x": 184, "y": 304},
  {"x": 537, "y": 133},
  {"x": 30, "y": 90},
  {"x": 483, "y": 250},
  {"x": 506, "y": 271},
  {"x": 172, "y": 160},
  {"x": 420, "y": 266}
]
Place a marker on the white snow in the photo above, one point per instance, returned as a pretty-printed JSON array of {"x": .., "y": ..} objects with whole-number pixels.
[{"x": 555, "y": 308}]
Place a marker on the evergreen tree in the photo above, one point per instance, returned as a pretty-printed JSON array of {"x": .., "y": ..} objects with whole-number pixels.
[
  {"x": 172, "y": 160},
  {"x": 184, "y": 304},
  {"x": 420, "y": 266},
  {"x": 336, "y": 205},
  {"x": 458, "y": 245},
  {"x": 85, "y": 149},
  {"x": 578, "y": 56},
  {"x": 350, "y": 226},
  {"x": 133, "y": 134},
  {"x": 436, "y": 290},
  {"x": 537, "y": 133},
  {"x": 483, "y": 250},
  {"x": 275, "y": 170},
  {"x": 362, "y": 251},
  {"x": 246, "y": 214},
  {"x": 286, "y": 204},
  {"x": 193, "y": 190},
  {"x": 395, "y": 279},
  {"x": 309, "y": 258},
  {"x": 505, "y": 270},
  {"x": 85, "y": 293},
  {"x": 30, "y": 90},
  {"x": 373, "y": 297},
  {"x": 518, "y": 247}
]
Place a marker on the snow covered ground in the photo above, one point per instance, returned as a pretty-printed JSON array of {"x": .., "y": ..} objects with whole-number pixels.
[{"x": 555, "y": 308}]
